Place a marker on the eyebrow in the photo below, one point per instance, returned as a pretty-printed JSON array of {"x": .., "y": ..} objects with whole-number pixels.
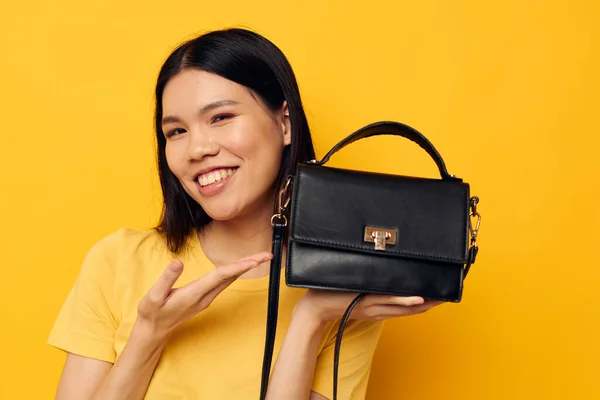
[{"x": 169, "y": 119}]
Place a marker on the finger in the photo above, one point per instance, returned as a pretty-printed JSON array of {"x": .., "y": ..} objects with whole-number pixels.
[
  {"x": 434, "y": 303},
  {"x": 394, "y": 300},
  {"x": 389, "y": 311},
  {"x": 224, "y": 275},
  {"x": 382, "y": 312},
  {"x": 259, "y": 257},
  {"x": 406, "y": 301},
  {"x": 213, "y": 293},
  {"x": 234, "y": 270},
  {"x": 421, "y": 308},
  {"x": 228, "y": 273},
  {"x": 208, "y": 298},
  {"x": 162, "y": 287}
]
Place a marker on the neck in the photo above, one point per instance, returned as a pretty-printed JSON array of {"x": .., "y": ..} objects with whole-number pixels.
[{"x": 225, "y": 242}]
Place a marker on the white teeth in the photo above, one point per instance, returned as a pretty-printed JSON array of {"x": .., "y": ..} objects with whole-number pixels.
[{"x": 214, "y": 176}]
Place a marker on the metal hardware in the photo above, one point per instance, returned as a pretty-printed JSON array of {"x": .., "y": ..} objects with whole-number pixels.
[
  {"x": 283, "y": 200},
  {"x": 474, "y": 214},
  {"x": 278, "y": 219},
  {"x": 474, "y": 202},
  {"x": 281, "y": 203},
  {"x": 380, "y": 236}
]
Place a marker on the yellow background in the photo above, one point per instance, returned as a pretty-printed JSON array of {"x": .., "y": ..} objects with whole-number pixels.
[{"x": 507, "y": 91}]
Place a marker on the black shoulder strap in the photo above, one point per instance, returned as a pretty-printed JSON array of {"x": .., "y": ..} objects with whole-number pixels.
[{"x": 272, "y": 310}]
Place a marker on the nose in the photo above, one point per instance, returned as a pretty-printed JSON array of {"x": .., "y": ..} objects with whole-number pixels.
[{"x": 201, "y": 145}]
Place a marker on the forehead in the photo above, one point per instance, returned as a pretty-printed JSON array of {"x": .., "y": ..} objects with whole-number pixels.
[{"x": 195, "y": 87}]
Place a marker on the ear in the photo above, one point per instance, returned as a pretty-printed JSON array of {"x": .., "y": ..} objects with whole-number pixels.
[{"x": 286, "y": 125}]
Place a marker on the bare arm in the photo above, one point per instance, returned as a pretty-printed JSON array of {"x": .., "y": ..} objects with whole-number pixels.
[
  {"x": 86, "y": 378},
  {"x": 294, "y": 369},
  {"x": 80, "y": 377},
  {"x": 160, "y": 311},
  {"x": 128, "y": 378},
  {"x": 295, "y": 366}
]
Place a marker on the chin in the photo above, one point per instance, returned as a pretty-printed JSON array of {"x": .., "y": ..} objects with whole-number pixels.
[
  {"x": 230, "y": 205},
  {"x": 222, "y": 214}
]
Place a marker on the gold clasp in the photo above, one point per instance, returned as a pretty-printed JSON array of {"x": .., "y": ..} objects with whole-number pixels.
[
  {"x": 283, "y": 200},
  {"x": 474, "y": 214},
  {"x": 380, "y": 236}
]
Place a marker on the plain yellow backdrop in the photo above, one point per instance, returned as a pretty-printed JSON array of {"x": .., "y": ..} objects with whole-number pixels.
[{"x": 507, "y": 91}]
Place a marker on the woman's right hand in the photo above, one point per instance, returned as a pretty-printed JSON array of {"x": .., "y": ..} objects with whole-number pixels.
[{"x": 163, "y": 308}]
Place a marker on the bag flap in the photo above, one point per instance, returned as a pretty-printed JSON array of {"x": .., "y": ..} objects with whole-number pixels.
[{"x": 428, "y": 218}]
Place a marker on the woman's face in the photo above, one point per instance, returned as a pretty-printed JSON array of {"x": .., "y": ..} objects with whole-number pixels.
[{"x": 223, "y": 144}]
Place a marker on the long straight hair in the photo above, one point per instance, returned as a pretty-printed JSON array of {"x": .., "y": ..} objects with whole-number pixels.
[{"x": 251, "y": 60}]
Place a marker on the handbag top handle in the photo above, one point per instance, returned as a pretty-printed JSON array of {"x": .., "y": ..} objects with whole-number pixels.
[{"x": 396, "y": 129}]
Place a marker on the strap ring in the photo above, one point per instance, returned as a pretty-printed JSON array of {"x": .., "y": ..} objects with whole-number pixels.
[{"x": 278, "y": 219}]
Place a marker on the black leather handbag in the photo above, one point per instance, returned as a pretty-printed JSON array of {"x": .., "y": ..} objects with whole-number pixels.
[{"x": 370, "y": 232}]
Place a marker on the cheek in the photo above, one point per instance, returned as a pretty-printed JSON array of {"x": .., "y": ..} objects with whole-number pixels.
[
  {"x": 263, "y": 152},
  {"x": 174, "y": 160},
  {"x": 258, "y": 140},
  {"x": 266, "y": 163}
]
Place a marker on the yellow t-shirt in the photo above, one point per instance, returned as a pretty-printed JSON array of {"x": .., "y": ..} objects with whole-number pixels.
[{"x": 217, "y": 354}]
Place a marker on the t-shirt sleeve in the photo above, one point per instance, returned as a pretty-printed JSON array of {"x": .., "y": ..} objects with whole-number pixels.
[
  {"x": 86, "y": 323},
  {"x": 356, "y": 354}
]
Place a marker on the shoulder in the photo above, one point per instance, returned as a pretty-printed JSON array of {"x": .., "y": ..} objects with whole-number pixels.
[
  {"x": 129, "y": 241},
  {"x": 124, "y": 248}
]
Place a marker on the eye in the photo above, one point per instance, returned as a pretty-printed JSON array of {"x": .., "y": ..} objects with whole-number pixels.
[
  {"x": 220, "y": 117},
  {"x": 174, "y": 132}
]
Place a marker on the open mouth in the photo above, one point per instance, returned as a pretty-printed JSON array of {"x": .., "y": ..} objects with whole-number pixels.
[{"x": 215, "y": 176}]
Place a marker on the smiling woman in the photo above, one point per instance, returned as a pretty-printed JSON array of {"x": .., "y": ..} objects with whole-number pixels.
[
  {"x": 220, "y": 130},
  {"x": 229, "y": 126}
]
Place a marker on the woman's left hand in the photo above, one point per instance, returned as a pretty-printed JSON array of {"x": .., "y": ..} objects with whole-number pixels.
[{"x": 328, "y": 305}]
